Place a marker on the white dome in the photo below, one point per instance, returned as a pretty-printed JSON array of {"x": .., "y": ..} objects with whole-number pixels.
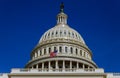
[
  {"x": 72, "y": 52},
  {"x": 61, "y": 31}
]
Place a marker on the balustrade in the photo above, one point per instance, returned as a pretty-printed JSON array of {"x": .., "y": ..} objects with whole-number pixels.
[{"x": 58, "y": 70}]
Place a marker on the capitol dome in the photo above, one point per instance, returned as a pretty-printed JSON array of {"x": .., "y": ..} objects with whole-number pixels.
[
  {"x": 61, "y": 31},
  {"x": 69, "y": 48}
]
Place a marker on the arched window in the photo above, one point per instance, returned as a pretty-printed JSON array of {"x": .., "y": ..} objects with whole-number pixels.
[
  {"x": 64, "y": 32},
  {"x": 52, "y": 33},
  {"x": 45, "y": 36},
  {"x": 71, "y": 49},
  {"x": 73, "y": 35},
  {"x": 66, "y": 49},
  {"x": 69, "y": 34},
  {"x": 48, "y": 34},
  {"x": 60, "y": 49},
  {"x": 81, "y": 52},
  {"x": 49, "y": 50},
  {"x": 44, "y": 51},
  {"x": 76, "y": 51},
  {"x": 40, "y": 53},
  {"x": 55, "y": 48},
  {"x": 60, "y": 33},
  {"x": 76, "y": 35},
  {"x": 56, "y": 33}
]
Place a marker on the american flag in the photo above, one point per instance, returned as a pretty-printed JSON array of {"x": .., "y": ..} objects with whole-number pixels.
[{"x": 53, "y": 54}]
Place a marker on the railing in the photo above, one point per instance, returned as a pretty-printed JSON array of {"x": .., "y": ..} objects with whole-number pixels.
[
  {"x": 67, "y": 70},
  {"x": 3, "y": 75},
  {"x": 116, "y": 74}
]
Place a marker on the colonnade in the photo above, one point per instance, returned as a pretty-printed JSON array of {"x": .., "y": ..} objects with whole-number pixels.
[{"x": 60, "y": 65}]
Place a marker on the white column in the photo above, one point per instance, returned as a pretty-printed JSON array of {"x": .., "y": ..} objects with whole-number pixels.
[
  {"x": 56, "y": 64},
  {"x": 66, "y": 31},
  {"x": 35, "y": 55},
  {"x": 85, "y": 54},
  {"x": 63, "y": 49},
  {"x": 68, "y": 49},
  {"x": 52, "y": 48},
  {"x": 74, "y": 52},
  {"x": 38, "y": 52},
  {"x": 83, "y": 66},
  {"x": 77, "y": 65},
  {"x": 63, "y": 65},
  {"x": 47, "y": 50},
  {"x": 37, "y": 66},
  {"x": 88, "y": 67},
  {"x": 60, "y": 19},
  {"x": 82, "y": 53},
  {"x": 42, "y": 66},
  {"x": 58, "y": 48},
  {"x": 32, "y": 67},
  {"x": 78, "y": 51},
  {"x": 70, "y": 65},
  {"x": 42, "y": 51},
  {"x": 49, "y": 65}
]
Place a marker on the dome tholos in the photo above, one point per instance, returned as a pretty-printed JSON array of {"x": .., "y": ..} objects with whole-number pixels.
[{"x": 72, "y": 52}]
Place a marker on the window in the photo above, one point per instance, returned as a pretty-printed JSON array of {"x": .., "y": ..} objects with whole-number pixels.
[
  {"x": 76, "y": 51},
  {"x": 52, "y": 33},
  {"x": 60, "y": 33},
  {"x": 49, "y": 50},
  {"x": 56, "y": 33},
  {"x": 69, "y": 34},
  {"x": 45, "y": 36},
  {"x": 81, "y": 52},
  {"x": 73, "y": 35},
  {"x": 55, "y": 48},
  {"x": 64, "y": 32},
  {"x": 40, "y": 52},
  {"x": 66, "y": 49},
  {"x": 71, "y": 49},
  {"x": 60, "y": 48},
  {"x": 44, "y": 51},
  {"x": 48, "y": 34},
  {"x": 76, "y": 35}
]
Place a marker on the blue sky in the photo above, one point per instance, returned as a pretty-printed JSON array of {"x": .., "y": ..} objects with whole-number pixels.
[{"x": 22, "y": 22}]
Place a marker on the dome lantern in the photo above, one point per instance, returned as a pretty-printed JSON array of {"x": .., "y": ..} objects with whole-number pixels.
[{"x": 62, "y": 17}]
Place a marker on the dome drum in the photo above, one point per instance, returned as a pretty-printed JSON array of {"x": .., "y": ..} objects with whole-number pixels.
[{"x": 62, "y": 48}]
